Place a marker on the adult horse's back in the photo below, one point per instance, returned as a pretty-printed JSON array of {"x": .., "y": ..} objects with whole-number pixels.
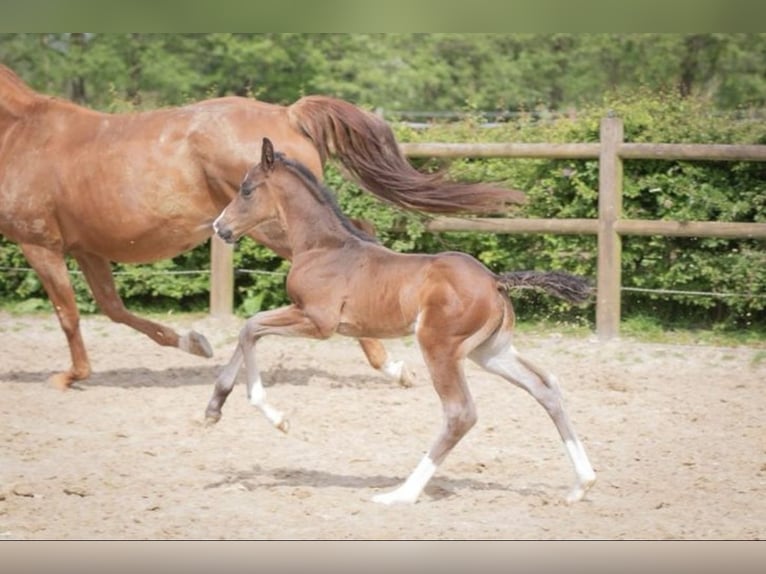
[{"x": 141, "y": 187}]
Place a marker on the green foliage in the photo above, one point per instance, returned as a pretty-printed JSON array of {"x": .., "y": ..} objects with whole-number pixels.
[
  {"x": 701, "y": 191},
  {"x": 259, "y": 279},
  {"x": 430, "y": 73},
  {"x": 181, "y": 283}
]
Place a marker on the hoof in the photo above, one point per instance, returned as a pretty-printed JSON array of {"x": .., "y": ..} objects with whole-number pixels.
[
  {"x": 391, "y": 498},
  {"x": 399, "y": 372},
  {"x": 407, "y": 378},
  {"x": 61, "y": 381},
  {"x": 578, "y": 492},
  {"x": 212, "y": 418},
  {"x": 65, "y": 381},
  {"x": 196, "y": 344},
  {"x": 284, "y": 425}
]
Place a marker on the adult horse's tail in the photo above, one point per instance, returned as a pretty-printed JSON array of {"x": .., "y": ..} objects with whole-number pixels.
[{"x": 365, "y": 145}]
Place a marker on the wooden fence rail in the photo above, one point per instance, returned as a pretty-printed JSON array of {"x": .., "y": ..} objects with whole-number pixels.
[{"x": 609, "y": 227}]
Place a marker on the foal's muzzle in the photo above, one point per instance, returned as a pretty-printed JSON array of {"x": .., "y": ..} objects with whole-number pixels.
[
  {"x": 223, "y": 231},
  {"x": 227, "y": 235}
]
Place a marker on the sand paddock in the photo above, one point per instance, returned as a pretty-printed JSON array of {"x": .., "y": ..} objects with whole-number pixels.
[{"x": 675, "y": 433}]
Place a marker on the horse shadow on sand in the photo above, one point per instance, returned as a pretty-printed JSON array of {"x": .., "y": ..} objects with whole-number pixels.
[
  {"x": 140, "y": 377},
  {"x": 259, "y": 477}
]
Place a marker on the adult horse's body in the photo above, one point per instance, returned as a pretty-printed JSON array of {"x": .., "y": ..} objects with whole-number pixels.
[
  {"x": 342, "y": 281},
  {"x": 146, "y": 186}
]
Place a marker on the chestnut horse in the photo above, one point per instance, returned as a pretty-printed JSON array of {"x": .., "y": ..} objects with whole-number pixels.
[
  {"x": 342, "y": 281},
  {"x": 140, "y": 187}
]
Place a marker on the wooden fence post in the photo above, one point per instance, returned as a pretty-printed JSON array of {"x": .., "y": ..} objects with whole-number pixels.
[
  {"x": 609, "y": 242},
  {"x": 221, "y": 277}
]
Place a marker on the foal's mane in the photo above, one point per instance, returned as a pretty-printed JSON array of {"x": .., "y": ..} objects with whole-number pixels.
[{"x": 322, "y": 194}]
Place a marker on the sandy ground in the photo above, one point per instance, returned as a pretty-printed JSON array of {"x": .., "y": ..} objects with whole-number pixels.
[{"x": 675, "y": 432}]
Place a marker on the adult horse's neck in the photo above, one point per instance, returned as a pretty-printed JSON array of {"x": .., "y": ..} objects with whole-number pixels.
[
  {"x": 312, "y": 217},
  {"x": 16, "y": 98}
]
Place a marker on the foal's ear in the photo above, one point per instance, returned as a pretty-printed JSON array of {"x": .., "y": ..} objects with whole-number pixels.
[{"x": 267, "y": 155}]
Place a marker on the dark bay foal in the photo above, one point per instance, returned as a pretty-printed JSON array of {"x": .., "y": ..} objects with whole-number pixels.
[{"x": 342, "y": 281}]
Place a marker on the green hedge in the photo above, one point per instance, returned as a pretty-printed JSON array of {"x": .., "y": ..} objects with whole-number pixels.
[{"x": 679, "y": 190}]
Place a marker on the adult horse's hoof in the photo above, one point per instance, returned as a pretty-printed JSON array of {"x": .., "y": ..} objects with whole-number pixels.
[
  {"x": 196, "y": 344},
  {"x": 61, "y": 381}
]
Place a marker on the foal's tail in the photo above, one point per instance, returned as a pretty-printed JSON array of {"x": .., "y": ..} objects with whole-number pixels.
[
  {"x": 557, "y": 283},
  {"x": 365, "y": 145}
]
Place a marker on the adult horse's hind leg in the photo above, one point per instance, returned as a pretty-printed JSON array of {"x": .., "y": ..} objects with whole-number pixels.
[
  {"x": 378, "y": 357},
  {"x": 498, "y": 356},
  {"x": 98, "y": 273},
  {"x": 53, "y": 274}
]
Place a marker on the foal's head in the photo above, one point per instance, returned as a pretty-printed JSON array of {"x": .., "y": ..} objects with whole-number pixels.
[
  {"x": 261, "y": 202},
  {"x": 255, "y": 204}
]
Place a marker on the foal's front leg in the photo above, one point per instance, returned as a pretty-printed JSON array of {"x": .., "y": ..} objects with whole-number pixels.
[{"x": 288, "y": 321}]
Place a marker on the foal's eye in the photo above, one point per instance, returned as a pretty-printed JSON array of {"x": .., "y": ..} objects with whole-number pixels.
[{"x": 246, "y": 191}]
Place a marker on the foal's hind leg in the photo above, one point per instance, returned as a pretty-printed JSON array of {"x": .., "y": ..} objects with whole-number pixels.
[
  {"x": 459, "y": 416},
  {"x": 501, "y": 358},
  {"x": 378, "y": 357},
  {"x": 98, "y": 273},
  {"x": 53, "y": 274}
]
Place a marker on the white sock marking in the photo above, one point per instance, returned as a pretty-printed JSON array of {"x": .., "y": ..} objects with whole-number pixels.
[
  {"x": 585, "y": 473},
  {"x": 580, "y": 460},
  {"x": 258, "y": 399},
  {"x": 392, "y": 369},
  {"x": 408, "y": 492}
]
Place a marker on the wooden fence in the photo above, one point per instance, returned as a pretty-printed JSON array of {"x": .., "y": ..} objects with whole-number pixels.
[{"x": 609, "y": 227}]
